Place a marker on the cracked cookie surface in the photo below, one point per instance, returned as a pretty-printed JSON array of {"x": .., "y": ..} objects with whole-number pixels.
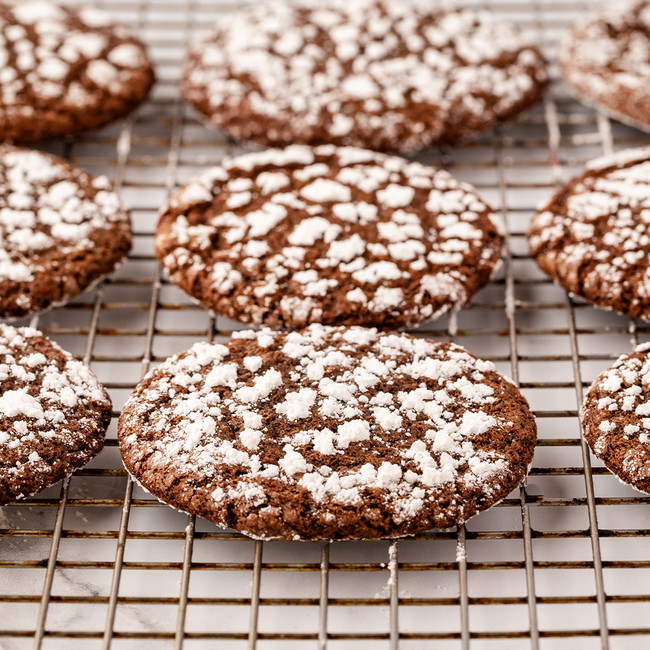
[
  {"x": 64, "y": 71},
  {"x": 53, "y": 413},
  {"x": 616, "y": 418},
  {"x": 593, "y": 237},
  {"x": 327, "y": 433},
  {"x": 332, "y": 235},
  {"x": 61, "y": 230},
  {"x": 390, "y": 76},
  {"x": 606, "y": 62}
]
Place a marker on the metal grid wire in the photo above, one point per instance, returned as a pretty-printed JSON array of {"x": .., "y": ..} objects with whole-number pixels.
[{"x": 562, "y": 563}]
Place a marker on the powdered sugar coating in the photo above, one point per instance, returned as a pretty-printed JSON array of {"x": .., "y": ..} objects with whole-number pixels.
[
  {"x": 331, "y": 235},
  {"x": 60, "y": 230},
  {"x": 391, "y": 76},
  {"x": 620, "y": 158},
  {"x": 616, "y": 418},
  {"x": 53, "y": 411},
  {"x": 63, "y": 71},
  {"x": 339, "y": 433},
  {"x": 606, "y": 61},
  {"x": 594, "y": 235}
]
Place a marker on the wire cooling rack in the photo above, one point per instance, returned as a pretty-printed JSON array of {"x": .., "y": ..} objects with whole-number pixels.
[{"x": 564, "y": 562}]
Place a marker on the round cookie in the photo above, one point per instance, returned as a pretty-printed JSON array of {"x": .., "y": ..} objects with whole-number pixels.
[
  {"x": 53, "y": 413},
  {"x": 64, "y": 71},
  {"x": 328, "y": 235},
  {"x": 606, "y": 62},
  {"x": 389, "y": 76},
  {"x": 616, "y": 418},
  {"x": 327, "y": 433},
  {"x": 593, "y": 237},
  {"x": 61, "y": 230}
]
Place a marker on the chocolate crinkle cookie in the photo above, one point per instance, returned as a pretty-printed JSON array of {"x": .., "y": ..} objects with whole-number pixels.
[
  {"x": 616, "y": 418},
  {"x": 64, "y": 71},
  {"x": 329, "y": 235},
  {"x": 53, "y": 413},
  {"x": 593, "y": 237},
  {"x": 61, "y": 230},
  {"x": 327, "y": 433},
  {"x": 385, "y": 75},
  {"x": 606, "y": 61}
]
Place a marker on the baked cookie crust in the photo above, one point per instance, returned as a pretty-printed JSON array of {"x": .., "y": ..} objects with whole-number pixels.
[
  {"x": 593, "y": 237},
  {"x": 390, "y": 76},
  {"x": 331, "y": 235},
  {"x": 65, "y": 71},
  {"x": 61, "y": 231},
  {"x": 616, "y": 418},
  {"x": 53, "y": 413},
  {"x": 605, "y": 61},
  {"x": 327, "y": 433}
]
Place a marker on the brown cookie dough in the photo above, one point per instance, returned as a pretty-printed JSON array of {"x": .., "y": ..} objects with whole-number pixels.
[
  {"x": 327, "y": 433},
  {"x": 332, "y": 235},
  {"x": 64, "y": 71},
  {"x": 606, "y": 62},
  {"x": 593, "y": 237},
  {"x": 61, "y": 230},
  {"x": 53, "y": 413},
  {"x": 616, "y": 418},
  {"x": 385, "y": 75}
]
